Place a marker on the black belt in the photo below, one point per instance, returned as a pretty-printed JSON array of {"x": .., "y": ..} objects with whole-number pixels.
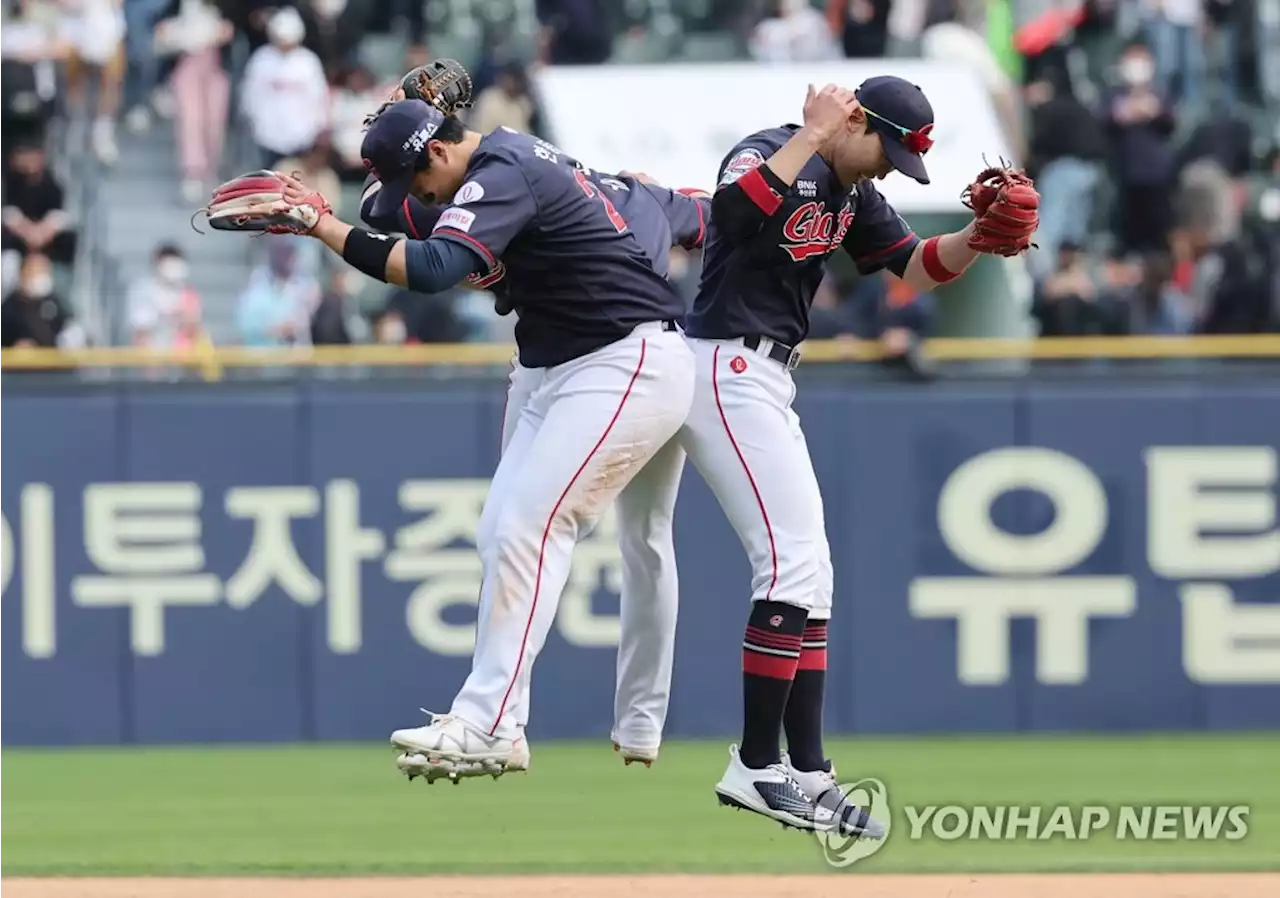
[
  {"x": 784, "y": 355},
  {"x": 670, "y": 325}
]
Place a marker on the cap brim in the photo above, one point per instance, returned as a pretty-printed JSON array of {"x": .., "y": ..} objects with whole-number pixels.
[
  {"x": 904, "y": 160},
  {"x": 392, "y": 194}
]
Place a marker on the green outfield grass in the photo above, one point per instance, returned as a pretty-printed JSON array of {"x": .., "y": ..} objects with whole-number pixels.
[{"x": 334, "y": 810}]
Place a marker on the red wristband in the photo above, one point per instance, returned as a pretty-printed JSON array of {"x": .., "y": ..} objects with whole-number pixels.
[
  {"x": 759, "y": 192},
  {"x": 933, "y": 263}
]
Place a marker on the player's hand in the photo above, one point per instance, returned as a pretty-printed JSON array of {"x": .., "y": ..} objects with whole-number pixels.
[
  {"x": 827, "y": 111},
  {"x": 293, "y": 190}
]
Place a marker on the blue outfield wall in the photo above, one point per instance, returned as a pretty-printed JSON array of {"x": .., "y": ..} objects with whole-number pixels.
[{"x": 297, "y": 562}]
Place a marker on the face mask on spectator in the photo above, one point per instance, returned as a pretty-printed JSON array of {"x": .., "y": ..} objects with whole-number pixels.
[
  {"x": 172, "y": 270},
  {"x": 329, "y": 9},
  {"x": 1137, "y": 70},
  {"x": 394, "y": 331},
  {"x": 38, "y": 286},
  {"x": 286, "y": 29}
]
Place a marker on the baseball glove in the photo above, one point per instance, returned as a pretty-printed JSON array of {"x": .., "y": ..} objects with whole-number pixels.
[
  {"x": 266, "y": 201},
  {"x": 1006, "y": 211},
  {"x": 444, "y": 83}
]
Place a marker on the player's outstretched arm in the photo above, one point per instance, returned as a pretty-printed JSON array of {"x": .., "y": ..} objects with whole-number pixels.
[
  {"x": 423, "y": 266},
  {"x": 1006, "y": 214},
  {"x": 941, "y": 258}
]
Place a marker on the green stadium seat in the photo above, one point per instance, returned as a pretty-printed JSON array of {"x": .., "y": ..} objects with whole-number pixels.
[
  {"x": 637, "y": 49},
  {"x": 710, "y": 47}
]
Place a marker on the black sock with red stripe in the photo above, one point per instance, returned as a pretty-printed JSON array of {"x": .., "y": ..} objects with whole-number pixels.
[
  {"x": 770, "y": 653},
  {"x": 803, "y": 716}
]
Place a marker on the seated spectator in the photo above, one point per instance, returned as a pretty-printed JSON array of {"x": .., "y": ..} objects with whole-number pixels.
[
  {"x": 285, "y": 96},
  {"x": 1224, "y": 137},
  {"x": 35, "y": 217},
  {"x": 95, "y": 30},
  {"x": 276, "y": 306},
  {"x": 410, "y": 317},
  {"x": 389, "y": 327},
  {"x": 856, "y": 313},
  {"x": 30, "y": 48},
  {"x": 352, "y": 100},
  {"x": 333, "y": 321},
  {"x": 1231, "y": 287},
  {"x": 201, "y": 90},
  {"x": 1066, "y": 302},
  {"x": 1156, "y": 306},
  {"x": 793, "y": 31},
  {"x": 164, "y": 310},
  {"x": 505, "y": 104},
  {"x": 32, "y": 315}
]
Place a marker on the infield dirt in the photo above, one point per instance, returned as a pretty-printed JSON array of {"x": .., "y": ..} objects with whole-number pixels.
[{"x": 1135, "y": 885}]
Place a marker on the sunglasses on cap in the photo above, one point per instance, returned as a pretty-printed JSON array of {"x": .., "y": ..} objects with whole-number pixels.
[{"x": 917, "y": 141}]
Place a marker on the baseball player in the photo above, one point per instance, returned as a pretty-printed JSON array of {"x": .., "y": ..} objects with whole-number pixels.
[
  {"x": 786, "y": 199},
  {"x": 595, "y": 317},
  {"x": 659, "y": 218}
]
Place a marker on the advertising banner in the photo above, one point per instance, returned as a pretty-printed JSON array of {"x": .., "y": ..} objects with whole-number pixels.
[{"x": 298, "y": 563}]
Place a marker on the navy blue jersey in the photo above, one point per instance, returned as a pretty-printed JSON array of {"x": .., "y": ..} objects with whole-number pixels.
[
  {"x": 760, "y": 270},
  {"x": 659, "y": 218},
  {"x": 573, "y": 268}
]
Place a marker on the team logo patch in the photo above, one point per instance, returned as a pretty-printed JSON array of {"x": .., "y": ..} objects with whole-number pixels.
[
  {"x": 468, "y": 193},
  {"x": 776, "y": 620},
  {"x": 457, "y": 219},
  {"x": 739, "y": 165}
]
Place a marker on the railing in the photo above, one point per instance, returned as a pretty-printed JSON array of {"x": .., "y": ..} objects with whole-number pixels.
[{"x": 212, "y": 362}]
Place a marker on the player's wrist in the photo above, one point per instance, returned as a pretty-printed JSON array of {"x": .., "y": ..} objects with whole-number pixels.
[
  {"x": 811, "y": 137},
  {"x": 324, "y": 225}
]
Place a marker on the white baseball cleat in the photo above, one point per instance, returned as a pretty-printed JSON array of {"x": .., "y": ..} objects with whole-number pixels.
[
  {"x": 768, "y": 791},
  {"x": 632, "y": 754},
  {"x": 451, "y": 747},
  {"x": 831, "y": 806}
]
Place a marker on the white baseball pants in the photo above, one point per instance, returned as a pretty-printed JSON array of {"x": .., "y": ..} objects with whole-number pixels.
[
  {"x": 595, "y": 429},
  {"x": 746, "y": 442}
]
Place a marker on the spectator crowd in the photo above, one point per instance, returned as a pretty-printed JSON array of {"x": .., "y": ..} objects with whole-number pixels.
[{"x": 1138, "y": 118}]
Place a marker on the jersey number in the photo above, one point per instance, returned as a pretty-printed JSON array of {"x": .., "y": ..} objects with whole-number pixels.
[{"x": 593, "y": 193}]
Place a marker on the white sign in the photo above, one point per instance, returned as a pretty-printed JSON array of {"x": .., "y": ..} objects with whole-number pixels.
[{"x": 678, "y": 122}]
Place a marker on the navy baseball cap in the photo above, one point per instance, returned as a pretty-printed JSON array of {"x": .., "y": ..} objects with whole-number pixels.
[
  {"x": 392, "y": 146},
  {"x": 900, "y": 113}
]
